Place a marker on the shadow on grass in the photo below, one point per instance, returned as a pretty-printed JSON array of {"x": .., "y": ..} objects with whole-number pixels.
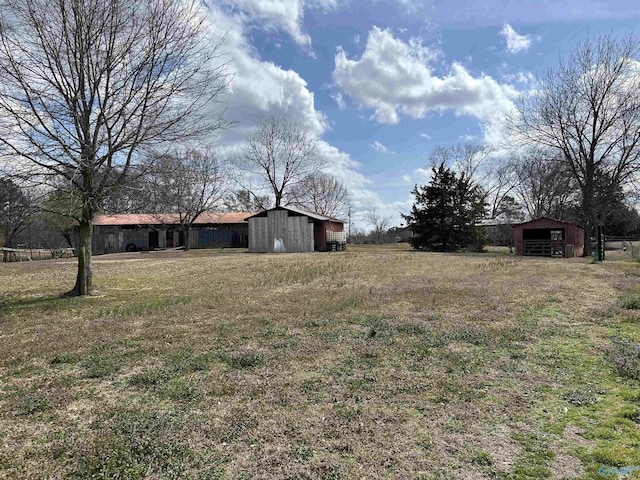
[{"x": 46, "y": 303}]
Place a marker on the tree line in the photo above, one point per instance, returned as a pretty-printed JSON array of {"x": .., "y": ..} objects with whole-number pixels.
[
  {"x": 106, "y": 106},
  {"x": 573, "y": 155}
]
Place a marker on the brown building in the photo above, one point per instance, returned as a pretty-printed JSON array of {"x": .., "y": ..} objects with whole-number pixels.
[
  {"x": 290, "y": 229},
  {"x": 131, "y": 232},
  {"x": 547, "y": 237}
]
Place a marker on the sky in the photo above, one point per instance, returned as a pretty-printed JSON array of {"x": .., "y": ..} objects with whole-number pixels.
[{"x": 383, "y": 82}]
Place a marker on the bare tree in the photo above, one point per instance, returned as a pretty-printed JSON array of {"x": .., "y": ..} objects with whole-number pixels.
[
  {"x": 476, "y": 161},
  {"x": 280, "y": 153},
  {"x": 57, "y": 211},
  {"x": 244, "y": 201},
  {"x": 16, "y": 211},
  {"x": 86, "y": 85},
  {"x": 379, "y": 222},
  {"x": 187, "y": 183},
  {"x": 544, "y": 185},
  {"x": 588, "y": 111},
  {"x": 321, "y": 193},
  {"x": 133, "y": 195}
]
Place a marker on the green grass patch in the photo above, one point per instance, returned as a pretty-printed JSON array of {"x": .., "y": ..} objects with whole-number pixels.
[
  {"x": 140, "y": 443},
  {"x": 629, "y": 300},
  {"x": 625, "y": 357}
]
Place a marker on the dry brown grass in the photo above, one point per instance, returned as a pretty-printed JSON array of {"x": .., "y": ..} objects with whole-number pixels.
[{"x": 378, "y": 362}]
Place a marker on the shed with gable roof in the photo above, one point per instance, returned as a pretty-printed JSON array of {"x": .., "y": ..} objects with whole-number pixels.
[
  {"x": 546, "y": 237},
  {"x": 291, "y": 229}
]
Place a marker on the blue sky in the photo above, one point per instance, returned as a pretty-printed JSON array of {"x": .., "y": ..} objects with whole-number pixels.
[{"x": 383, "y": 82}]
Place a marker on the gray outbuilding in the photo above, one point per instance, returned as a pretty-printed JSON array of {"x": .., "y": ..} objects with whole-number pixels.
[{"x": 290, "y": 229}]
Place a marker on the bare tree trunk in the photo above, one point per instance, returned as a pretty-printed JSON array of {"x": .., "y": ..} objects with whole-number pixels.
[
  {"x": 587, "y": 211},
  {"x": 187, "y": 237},
  {"x": 84, "y": 279},
  {"x": 67, "y": 236},
  {"x": 588, "y": 226}
]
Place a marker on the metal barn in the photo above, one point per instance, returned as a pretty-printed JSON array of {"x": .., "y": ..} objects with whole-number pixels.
[
  {"x": 546, "y": 237},
  {"x": 131, "y": 232},
  {"x": 290, "y": 229}
]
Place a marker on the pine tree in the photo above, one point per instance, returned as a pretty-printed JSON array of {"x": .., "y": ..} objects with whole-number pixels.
[{"x": 445, "y": 212}]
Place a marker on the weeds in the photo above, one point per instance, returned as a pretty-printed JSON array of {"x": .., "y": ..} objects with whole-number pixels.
[
  {"x": 136, "y": 444},
  {"x": 102, "y": 362},
  {"x": 27, "y": 402},
  {"x": 625, "y": 357},
  {"x": 629, "y": 301},
  {"x": 244, "y": 359},
  {"x": 168, "y": 381},
  {"x": 583, "y": 396}
]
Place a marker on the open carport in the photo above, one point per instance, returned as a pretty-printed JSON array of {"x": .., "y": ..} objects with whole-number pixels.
[{"x": 546, "y": 237}]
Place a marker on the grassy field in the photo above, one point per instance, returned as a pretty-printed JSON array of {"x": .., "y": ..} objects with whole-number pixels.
[{"x": 377, "y": 362}]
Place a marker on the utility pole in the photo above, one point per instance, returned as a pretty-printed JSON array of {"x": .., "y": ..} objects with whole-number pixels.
[{"x": 349, "y": 222}]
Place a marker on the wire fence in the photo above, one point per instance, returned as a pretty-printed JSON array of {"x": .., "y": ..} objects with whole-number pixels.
[
  {"x": 631, "y": 245},
  {"x": 28, "y": 254}
]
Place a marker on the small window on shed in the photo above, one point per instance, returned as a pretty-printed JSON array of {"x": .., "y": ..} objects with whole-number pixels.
[{"x": 556, "y": 234}]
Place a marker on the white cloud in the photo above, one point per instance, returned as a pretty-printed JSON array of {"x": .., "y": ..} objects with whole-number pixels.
[
  {"x": 345, "y": 169},
  {"x": 261, "y": 88},
  {"x": 424, "y": 174},
  {"x": 285, "y": 14},
  {"x": 524, "y": 78},
  {"x": 468, "y": 138},
  {"x": 339, "y": 99},
  {"x": 426, "y": 136},
  {"x": 515, "y": 42},
  {"x": 394, "y": 78},
  {"x": 419, "y": 176},
  {"x": 378, "y": 147}
]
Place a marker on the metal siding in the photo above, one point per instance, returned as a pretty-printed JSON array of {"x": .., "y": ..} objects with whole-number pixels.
[
  {"x": 295, "y": 233},
  {"x": 194, "y": 238},
  {"x": 299, "y": 235},
  {"x": 277, "y": 229},
  {"x": 258, "y": 234},
  {"x": 215, "y": 237},
  {"x": 105, "y": 239}
]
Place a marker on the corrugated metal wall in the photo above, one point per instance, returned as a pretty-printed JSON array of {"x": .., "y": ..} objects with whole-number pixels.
[
  {"x": 108, "y": 239},
  {"x": 279, "y": 232},
  {"x": 223, "y": 236}
]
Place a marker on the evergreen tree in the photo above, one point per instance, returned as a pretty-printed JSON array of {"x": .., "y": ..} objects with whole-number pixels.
[{"x": 445, "y": 211}]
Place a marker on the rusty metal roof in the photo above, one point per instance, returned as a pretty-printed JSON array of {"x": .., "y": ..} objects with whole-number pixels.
[{"x": 168, "y": 218}]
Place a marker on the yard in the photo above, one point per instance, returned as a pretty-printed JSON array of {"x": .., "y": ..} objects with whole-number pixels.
[{"x": 377, "y": 362}]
